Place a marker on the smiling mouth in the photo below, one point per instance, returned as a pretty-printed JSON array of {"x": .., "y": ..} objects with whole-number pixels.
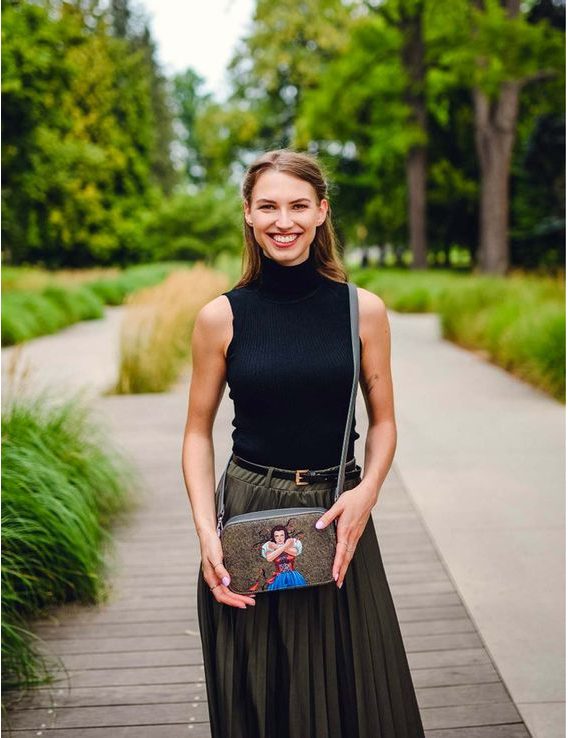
[{"x": 284, "y": 238}]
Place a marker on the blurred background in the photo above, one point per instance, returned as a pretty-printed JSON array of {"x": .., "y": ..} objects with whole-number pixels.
[{"x": 126, "y": 128}]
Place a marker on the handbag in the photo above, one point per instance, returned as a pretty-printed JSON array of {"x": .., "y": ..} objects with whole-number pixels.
[{"x": 284, "y": 542}]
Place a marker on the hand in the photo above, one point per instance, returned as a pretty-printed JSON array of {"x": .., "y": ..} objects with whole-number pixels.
[
  {"x": 352, "y": 509},
  {"x": 215, "y": 573}
]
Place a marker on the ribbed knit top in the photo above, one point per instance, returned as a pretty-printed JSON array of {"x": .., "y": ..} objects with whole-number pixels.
[{"x": 290, "y": 367}]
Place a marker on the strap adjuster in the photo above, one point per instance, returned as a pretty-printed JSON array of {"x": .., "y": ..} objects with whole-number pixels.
[{"x": 298, "y": 472}]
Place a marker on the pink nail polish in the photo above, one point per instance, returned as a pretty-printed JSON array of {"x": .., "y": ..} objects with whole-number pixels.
[
  {"x": 319, "y": 524},
  {"x": 226, "y": 581},
  {"x": 335, "y": 576}
]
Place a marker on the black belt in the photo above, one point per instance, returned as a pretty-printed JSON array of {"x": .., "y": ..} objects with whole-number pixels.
[{"x": 302, "y": 476}]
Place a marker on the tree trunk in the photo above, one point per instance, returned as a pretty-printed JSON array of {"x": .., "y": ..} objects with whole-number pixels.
[
  {"x": 413, "y": 61},
  {"x": 495, "y": 127}
]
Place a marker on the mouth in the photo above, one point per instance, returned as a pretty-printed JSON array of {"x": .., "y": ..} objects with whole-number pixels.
[{"x": 284, "y": 240}]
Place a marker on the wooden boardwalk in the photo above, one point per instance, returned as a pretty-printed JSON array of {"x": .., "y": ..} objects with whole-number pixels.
[{"x": 134, "y": 666}]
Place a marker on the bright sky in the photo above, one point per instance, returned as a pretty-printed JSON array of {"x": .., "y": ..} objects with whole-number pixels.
[{"x": 200, "y": 35}]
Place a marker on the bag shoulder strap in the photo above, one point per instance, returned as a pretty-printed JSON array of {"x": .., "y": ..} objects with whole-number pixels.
[{"x": 354, "y": 325}]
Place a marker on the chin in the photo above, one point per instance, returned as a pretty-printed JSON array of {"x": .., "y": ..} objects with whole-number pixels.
[{"x": 287, "y": 254}]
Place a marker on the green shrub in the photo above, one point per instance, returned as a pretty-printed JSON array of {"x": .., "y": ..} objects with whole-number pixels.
[
  {"x": 62, "y": 488},
  {"x": 30, "y": 313},
  {"x": 519, "y": 320}
]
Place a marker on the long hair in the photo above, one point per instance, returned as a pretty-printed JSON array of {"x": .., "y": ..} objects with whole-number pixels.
[{"x": 325, "y": 244}]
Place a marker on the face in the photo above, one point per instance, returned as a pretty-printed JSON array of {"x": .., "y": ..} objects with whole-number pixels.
[
  {"x": 279, "y": 536},
  {"x": 285, "y": 206}
]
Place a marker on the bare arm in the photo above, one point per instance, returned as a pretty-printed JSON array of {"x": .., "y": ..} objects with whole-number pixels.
[
  {"x": 206, "y": 389},
  {"x": 212, "y": 334},
  {"x": 354, "y": 506},
  {"x": 377, "y": 386}
]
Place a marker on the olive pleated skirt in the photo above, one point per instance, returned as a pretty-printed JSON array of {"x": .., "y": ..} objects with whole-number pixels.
[{"x": 313, "y": 662}]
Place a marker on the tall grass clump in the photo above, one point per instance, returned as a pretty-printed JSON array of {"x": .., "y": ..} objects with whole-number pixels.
[
  {"x": 519, "y": 321},
  {"x": 156, "y": 331},
  {"x": 27, "y": 315},
  {"x": 115, "y": 290},
  {"x": 36, "y": 302},
  {"x": 63, "y": 486},
  {"x": 407, "y": 291}
]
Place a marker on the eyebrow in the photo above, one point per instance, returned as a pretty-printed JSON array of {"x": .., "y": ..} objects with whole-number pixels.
[{"x": 265, "y": 199}]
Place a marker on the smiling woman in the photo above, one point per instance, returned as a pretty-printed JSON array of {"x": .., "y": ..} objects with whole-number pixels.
[
  {"x": 323, "y": 661},
  {"x": 281, "y": 220}
]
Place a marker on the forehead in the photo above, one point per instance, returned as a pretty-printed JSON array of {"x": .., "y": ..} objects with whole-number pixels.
[{"x": 281, "y": 187}]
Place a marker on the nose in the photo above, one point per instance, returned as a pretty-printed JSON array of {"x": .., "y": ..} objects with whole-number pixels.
[{"x": 284, "y": 220}]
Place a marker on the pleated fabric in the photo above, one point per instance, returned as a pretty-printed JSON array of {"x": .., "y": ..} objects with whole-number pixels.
[{"x": 313, "y": 662}]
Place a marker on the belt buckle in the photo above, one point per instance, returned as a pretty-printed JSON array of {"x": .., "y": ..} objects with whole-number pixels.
[{"x": 298, "y": 472}]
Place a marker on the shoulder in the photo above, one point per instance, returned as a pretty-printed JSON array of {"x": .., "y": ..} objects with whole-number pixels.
[
  {"x": 371, "y": 306},
  {"x": 213, "y": 322},
  {"x": 373, "y": 317},
  {"x": 214, "y": 314}
]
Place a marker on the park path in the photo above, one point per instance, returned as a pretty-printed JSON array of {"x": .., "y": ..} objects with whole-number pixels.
[{"x": 135, "y": 665}]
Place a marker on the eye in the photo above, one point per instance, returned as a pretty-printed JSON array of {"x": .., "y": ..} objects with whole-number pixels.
[{"x": 297, "y": 205}]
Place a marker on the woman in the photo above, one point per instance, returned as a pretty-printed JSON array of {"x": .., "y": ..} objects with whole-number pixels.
[
  {"x": 326, "y": 661},
  {"x": 282, "y": 550}
]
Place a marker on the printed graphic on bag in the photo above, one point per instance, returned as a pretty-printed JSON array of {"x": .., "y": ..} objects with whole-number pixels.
[
  {"x": 282, "y": 551},
  {"x": 278, "y": 553}
]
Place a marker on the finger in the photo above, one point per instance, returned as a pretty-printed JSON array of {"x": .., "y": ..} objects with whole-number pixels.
[
  {"x": 338, "y": 561},
  {"x": 329, "y": 516},
  {"x": 225, "y": 596},
  {"x": 213, "y": 580},
  {"x": 221, "y": 572},
  {"x": 345, "y": 565}
]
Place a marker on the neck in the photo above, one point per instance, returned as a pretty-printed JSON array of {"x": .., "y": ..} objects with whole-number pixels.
[{"x": 281, "y": 282}]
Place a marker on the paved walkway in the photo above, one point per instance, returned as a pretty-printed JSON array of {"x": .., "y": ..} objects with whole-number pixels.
[
  {"x": 482, "y": 455},
  {"x": 459, "y": 526}
]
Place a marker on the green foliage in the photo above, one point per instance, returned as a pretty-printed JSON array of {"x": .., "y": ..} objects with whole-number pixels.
[
  {"x": 519, "y": 321},
  {"x": 78, "y": 138},
  {"x": 27, "y": 314},
  {"x": 63, "y": 487},
  {"x": 198, "y": 226}
]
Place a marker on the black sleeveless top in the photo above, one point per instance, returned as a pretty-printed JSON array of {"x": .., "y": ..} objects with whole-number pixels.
[{"x": 290, "y": 367}]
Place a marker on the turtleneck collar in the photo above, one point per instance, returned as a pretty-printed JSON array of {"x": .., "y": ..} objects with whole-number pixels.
[{"x": 284, "y": 283}]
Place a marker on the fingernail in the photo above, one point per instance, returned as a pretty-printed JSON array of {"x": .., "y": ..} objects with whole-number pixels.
[
  {"x": 319, "y": 524},
  {"x": 335, "y": 576},
  {"x": 341, "y": 585},
  {"x": 226, "y": 581}
]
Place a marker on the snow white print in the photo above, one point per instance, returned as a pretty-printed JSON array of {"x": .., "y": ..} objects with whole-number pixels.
[{"x": 282, "y": 551}]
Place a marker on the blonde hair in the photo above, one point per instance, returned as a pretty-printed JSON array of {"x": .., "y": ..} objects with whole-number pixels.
[{"x": 325, "y": 244}]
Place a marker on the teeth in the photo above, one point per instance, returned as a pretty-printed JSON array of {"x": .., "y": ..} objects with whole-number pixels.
[{"x": 284, "y": 239}]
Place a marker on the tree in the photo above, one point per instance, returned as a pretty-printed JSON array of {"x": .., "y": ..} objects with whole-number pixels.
[{"x": 497, "y": 52}]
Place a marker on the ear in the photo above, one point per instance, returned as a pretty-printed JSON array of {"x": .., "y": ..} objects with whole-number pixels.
[{"x": 323, "y": 208}]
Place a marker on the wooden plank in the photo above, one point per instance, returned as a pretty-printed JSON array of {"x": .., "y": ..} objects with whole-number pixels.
[
  {"x": 443, "y": 676},
  {"x": 510, "y": 730},
  {"x": 462, "y": 694},
  {"x": 196, "y": 730},
  {"x": 134, "y": 659},
  {"x": 112, "y": 715},
  {"x": 118, "y": 695},
  {"x": 461, "y": 716}
]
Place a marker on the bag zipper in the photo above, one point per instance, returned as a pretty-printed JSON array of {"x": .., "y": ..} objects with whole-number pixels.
[{"x": 276, "y": 512}]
